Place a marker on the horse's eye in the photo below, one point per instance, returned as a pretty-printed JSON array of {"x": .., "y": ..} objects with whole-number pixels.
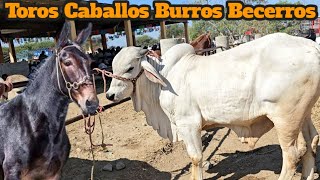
[
  {"x": 67, "y": 63},
  {"x": 130, "y": 69}
]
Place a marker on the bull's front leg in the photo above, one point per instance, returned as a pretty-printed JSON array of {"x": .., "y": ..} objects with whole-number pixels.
[{"x": 191, "y": 136}]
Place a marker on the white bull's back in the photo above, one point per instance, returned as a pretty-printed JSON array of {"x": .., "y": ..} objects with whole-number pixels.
[
  {"x": 266, "y": 83},
  {"x": 268, "y": 75}
]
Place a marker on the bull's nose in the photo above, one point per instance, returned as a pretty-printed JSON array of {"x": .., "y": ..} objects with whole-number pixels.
[{"x": 110, "y": 97}]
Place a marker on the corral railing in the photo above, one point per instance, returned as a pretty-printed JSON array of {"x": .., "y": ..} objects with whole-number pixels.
[
  {"x": 210, "y": 51},
  {"x": 234, "y": 45},
  {"x": 20, "y": 84},
  {"x": 79, "y": 117}
]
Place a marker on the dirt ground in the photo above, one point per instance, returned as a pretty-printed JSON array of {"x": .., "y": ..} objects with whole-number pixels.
[{"x": 149, "y": 157}]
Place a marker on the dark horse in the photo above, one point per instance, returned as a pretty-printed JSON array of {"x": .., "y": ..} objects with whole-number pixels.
[{"x": 33, "y": 139}]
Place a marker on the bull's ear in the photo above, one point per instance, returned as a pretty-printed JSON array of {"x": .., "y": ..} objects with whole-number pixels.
[
  {"x": 151, "y": 73},
  {"x": 83, "y": 35},
  {"x": 64, "y": 35}
]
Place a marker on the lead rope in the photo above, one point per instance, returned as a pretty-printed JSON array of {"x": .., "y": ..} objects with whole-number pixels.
[
  {"x": 98, "y": 112},
  {"x": 88, "y": 125},
  {"x": 89, "y": 129},
  {"x": 89, "y": 132},
  {"x": 109, "y": 74}
]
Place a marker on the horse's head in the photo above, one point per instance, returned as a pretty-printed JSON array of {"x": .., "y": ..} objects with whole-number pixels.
[
  {"x": 202, "y": 42},
  {"x": 73, "y": 70}
]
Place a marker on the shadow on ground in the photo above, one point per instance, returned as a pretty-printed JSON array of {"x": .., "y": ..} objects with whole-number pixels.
[
  {"x": 242, "y": 164},
  {"x": 234, "y": 165},
  {"x": 80, "y": 169}
]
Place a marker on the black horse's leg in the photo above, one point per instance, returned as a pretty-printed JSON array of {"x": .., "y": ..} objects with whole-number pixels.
[
  {"x": 1, "y": 173},
  {"x": 12, "y": 170}
]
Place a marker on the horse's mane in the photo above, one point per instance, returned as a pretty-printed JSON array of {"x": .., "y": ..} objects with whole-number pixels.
[{"x": 38, "y": 68}]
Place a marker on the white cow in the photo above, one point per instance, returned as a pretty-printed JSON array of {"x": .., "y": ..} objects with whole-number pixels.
[{"x": 270, "y": 82}]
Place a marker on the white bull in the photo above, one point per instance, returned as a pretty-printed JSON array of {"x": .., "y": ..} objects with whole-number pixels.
[{"x": 270, "y": 82}]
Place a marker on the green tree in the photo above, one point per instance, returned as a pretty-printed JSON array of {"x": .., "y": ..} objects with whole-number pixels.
[
  {"x": 146, "y": 40},
  {"x": 239, "y": 27},
  {"x": 175, "y": 31},
  {"x": 35, "y": 46},
  {"x": 199, "y": 27},
  {"x": 27, "y": 49}
]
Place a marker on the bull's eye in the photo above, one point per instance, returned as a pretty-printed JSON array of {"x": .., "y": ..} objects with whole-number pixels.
[
  {"x": 130, "y": 69},
  {"x": 67, "y": 63}
]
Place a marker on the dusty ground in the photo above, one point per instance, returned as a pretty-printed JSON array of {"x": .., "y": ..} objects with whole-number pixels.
[{"x": 149, "y": 157}]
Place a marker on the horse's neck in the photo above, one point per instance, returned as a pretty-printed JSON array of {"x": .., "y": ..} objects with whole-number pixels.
[{"x": 44, "y": 94}]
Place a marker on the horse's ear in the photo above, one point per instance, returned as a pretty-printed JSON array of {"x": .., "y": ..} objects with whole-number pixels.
[
  {"x": 64, "y": 35},
  {"x": 84, "y": 34}
]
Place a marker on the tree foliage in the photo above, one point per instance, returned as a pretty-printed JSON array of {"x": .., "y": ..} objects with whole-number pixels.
[
  {"x": 239, "y": 27},
  {"x": 175, "y": 31},
  {"x": 145, "y": 40},
  {"x": 35, "y": 46},
  {"x": 27, "y": 49},
  {"x": 31, "y": 46}
]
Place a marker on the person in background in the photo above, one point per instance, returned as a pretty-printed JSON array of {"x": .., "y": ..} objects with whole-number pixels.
[
  {"x": 118, "y": 49},
  {"x": 42, "y": 56},
  {"x": 154, "y": 47},
  {"x": 5, "y": 87},
  {"x": 113, "y": 51},
  {"x": 312, "y": 35}
]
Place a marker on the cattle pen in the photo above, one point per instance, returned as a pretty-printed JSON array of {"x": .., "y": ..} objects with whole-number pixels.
[
  {"x": 131, "y": 147},
  {"x": 129, "y": 133}
]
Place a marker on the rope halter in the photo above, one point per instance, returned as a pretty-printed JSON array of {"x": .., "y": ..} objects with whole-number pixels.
[
  {"x": 69, "y": 85},
  {"x": 132, "y": 80},
  {"x": 150, "y": 53}
]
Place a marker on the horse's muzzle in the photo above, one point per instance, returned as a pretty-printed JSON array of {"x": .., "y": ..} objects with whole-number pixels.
[{"x": 91, "y": 106}]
